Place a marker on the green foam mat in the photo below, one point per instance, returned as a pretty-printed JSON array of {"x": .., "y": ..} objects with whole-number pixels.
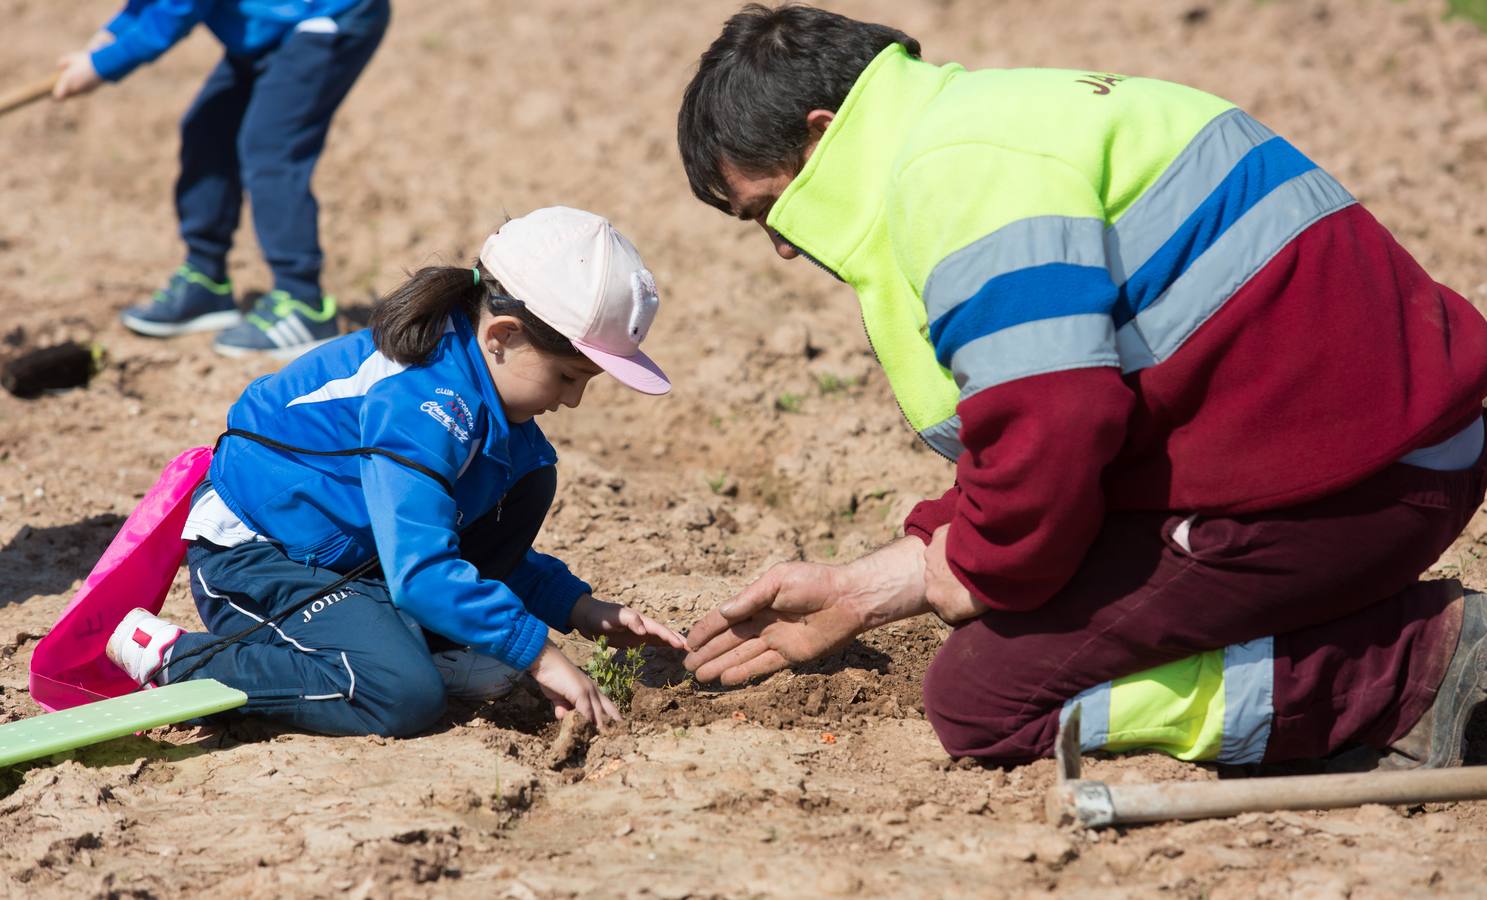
[{"x": 91, "y": 723}]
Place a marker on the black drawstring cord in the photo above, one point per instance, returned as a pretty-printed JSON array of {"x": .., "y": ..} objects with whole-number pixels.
[
  {"x": 354, "y": 451},
  {"x": 220, "y": 644}
]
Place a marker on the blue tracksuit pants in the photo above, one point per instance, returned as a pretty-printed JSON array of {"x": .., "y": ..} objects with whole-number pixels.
[
  {"x": 259, "y": 124},
  {"x": 350, "y": 662}
]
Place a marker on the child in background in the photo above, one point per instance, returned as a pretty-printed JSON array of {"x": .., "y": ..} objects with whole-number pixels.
[
  {"x": 258, "y": 124},
  {"x": 414, "y": 442}
]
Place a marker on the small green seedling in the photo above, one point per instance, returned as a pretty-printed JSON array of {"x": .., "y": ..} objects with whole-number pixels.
[
  {"x": 615, "y": 672},
  {"x": 789, "y": 403}
]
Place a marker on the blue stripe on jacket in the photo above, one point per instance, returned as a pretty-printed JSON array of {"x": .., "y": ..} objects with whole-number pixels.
[
  {"x": 1261, "y": 171},
  {"x": 1026, "y": 295}
]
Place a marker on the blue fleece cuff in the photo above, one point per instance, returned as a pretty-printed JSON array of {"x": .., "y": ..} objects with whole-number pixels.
[
  {"x": 113, "y": 62},
  {"x": 557, "y": 613},
  {"x": 526, "y": 643}
]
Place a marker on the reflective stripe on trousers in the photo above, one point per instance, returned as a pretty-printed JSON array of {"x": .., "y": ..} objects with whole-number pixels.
[{"x": 1212, "y": 706}]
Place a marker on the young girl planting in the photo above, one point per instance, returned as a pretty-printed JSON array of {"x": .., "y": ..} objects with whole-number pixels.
[{"x": 361, "y": 547}]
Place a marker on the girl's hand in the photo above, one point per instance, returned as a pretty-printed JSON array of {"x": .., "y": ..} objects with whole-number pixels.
[
  {"x": 569, "y": 689},
  {"x": 623, "y": 626},
  {"x": 77, "y": 76}
]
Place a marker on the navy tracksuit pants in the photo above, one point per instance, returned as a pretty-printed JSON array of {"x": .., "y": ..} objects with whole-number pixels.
[
  {"x": 350, "y": 662},
  {"x": 259, "y": 125}
]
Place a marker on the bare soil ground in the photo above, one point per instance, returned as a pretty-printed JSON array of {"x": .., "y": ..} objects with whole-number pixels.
[{"x": 780, "y": 441}]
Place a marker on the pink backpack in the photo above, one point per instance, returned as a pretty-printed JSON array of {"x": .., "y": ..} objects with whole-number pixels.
[{"x": 69, "y": 667}]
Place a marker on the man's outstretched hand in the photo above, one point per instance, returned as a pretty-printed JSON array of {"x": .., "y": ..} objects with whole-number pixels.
[
  {"x": 792, "y": 614},
  {"x": 799, "y": 611}
]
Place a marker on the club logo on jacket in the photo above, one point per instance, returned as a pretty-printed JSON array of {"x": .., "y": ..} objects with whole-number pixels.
[
  {"x": 457, "y": 408},
  {"x": 451, "y": 420}
]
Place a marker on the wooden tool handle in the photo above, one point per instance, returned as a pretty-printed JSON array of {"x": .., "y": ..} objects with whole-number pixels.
[
  {"x": 1095, "y": 804},
  {"x": 1201, "y": 800},
  {"x": 27, "y": 93}
]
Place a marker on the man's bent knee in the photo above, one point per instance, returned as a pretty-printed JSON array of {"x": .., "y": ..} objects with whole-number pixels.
[{"x": 972, "y": 720}]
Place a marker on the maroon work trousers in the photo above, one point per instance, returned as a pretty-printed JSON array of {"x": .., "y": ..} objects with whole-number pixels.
[{"x": 1360, "y": 645}]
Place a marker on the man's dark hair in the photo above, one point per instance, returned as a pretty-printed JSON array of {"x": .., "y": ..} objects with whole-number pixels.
[{"x": 759, "y": 80}]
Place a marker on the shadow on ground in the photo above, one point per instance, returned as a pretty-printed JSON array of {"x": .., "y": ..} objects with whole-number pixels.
[{"x": 44, "y": 561}]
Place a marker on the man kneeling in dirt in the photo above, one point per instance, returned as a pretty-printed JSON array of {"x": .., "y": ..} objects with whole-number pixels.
[{"x": 1209, "y": 421}]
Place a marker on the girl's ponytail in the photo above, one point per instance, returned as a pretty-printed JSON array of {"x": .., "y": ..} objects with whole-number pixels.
[{"x": 407, "y": 324}]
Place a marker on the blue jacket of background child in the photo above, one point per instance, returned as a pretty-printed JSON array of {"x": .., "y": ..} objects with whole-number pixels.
[
  {"x": 147, "y": 28},
  {"x": 337, "y": 511}
]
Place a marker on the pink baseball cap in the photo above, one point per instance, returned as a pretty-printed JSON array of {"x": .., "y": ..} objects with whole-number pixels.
[{"x": 575, "y": 272}]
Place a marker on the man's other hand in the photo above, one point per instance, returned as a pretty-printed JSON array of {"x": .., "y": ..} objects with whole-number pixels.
[{"x": 946, "y": 595}]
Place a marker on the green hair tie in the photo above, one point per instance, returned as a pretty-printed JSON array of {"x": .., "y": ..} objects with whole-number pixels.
[{"x": 476, "y": 270}]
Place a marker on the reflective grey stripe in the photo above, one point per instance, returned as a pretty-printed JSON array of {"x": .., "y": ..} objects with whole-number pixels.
[
  {"x": 1244, "y": 249},
  {"x": 1018, "y": 245},
  {"x": 1032, "y": 348},
  {"x": 1132, "y": 349},
  {"x": 1188, "y": 180},
  {"x": 1249, "y": 700},
  {"x": 1124, "y": 247},
  {"x": 945, "y": 437},
  {"x": 1121, "y": 248},
  {"x": 1094, "y": 716}
]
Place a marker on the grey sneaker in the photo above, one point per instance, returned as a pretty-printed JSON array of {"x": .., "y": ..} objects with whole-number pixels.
[
  {"x": 1437, "y": 740},
  {"x": 191, "y": 302},
  {"x": 474, "y": 676},
  {"x": 281, "y": 327}
]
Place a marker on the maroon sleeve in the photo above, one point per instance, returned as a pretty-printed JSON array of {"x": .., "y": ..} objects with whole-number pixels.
[
  {"x": 1029, "y": 497},
  {"x": 929, "y": 515}
]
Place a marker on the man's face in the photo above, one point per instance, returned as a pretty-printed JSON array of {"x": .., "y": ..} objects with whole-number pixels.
[{"x": 752, "y": 197}]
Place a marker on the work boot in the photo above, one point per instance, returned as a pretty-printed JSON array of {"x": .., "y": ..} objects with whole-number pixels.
[
  {"x": 190, "y": 302},
  {"x": 281, "y": 326},
  {"x": 140, "y": 645},
  {"x": 1438, "y": 739}
]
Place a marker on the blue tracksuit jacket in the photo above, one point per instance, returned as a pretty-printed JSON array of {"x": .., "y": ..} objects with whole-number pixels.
[
  {"x": 147, "y": 28},
  {"x": 336, "y": 512}
]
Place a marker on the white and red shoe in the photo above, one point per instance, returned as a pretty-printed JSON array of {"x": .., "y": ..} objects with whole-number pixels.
[{"x": 140, "y": 643}]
